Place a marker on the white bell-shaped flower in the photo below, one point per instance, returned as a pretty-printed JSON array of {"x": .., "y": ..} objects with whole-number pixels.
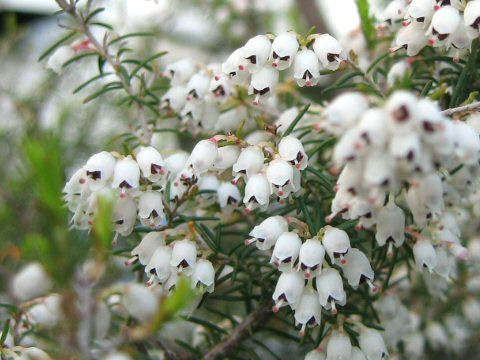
[
  {"x": 204, "y": 274},
  {"x": 380, "y": 170},
  {"x": 283, "y": 51},
  {"x": 125, "y": 216},
  {"x": 405, "y": 147},
  {"x": 390, "y": 224},
  {"x": 372, "y": 129},
  {"x": 59, "y": 57},
  {"x": 47, "y": 312},
  {"x": 394, "y": 12},
  {"x": 471, "y": 15},
  {"x": 306, "y": 68},
  {"x": 401, "y": 109},
  {"x": 357, "y": 354},
  {"x": 226, "y": 157},
  {"x": 308, "y": 311},
  {"x": 288, "y": 290},
  {"x": 311, "y": 256},
  {"x": 336, "y": 243},
  {"x": 445, "y": 22},
  {"x": 235, "y": 67},
  {"x": 30, "y": 282},
  {"x": 339, "y": 346},
  {"x": 249, "y": 162},
  {"x": 412, "y": 38},
  {"x": 430, "y": 192},
  {"x": 209, "y": 184},
  {"x": 151, "y": 163},
  {"x": 291, "y": 149},
  {"x": 468, "y": 143},
  {"x": 315, "y": 354},
  {"x": 265, "y": 234},
  {"x": 256, "y": 51},
  {"x": 329, "y": 51},
  {"x": 285, "y": 119},
  {"x": 280, "y": 175},
  {"x": 220, "y": 87},
  {"x": 420, "y": 12},
  {"x": 150, "y": 208},
  {"x": 372, "y": 344},
  {"x": 117, "y": 355},
  {"x": 228, "y": 194},
  {"x": 145, "y": 249},
  {"x": 357, "y": 269},
  {"x": 231, "y": 119},
  {"x": 445, "y": 263},
  {"x": 159, "y": 265},
  {"x": 263, "y": 83},
  {"x": 180, "y": 71},
  {"x": 344, "y": 111},
  {"x": 175, "y": 163},
  {"x": 184, "y": 255},
  {"x": 197, "y": 86},
  {"x": 286, "y": 250},
  {"x": 193, "y": 113},
  {"x": 424, "y": 254},
  {"x": 203, "y": 156},
  {"x": 174, "y": 98},
  {"x": 126, "y": 174},
  {"x": 330, "y": 289},
  {"x": 139, "y": 301},
  {"x": 99, "y": 169},
  {"x": 257, "y": 192}
]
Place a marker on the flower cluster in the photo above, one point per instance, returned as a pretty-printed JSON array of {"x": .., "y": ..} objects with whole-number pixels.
[
  {"x": 438, "y": 23},
  {"x": 302, "y": 262},
  {"x": 406, "y": 155}
]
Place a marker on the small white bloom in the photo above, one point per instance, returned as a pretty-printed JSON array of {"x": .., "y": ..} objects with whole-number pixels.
[
  {"x": 150, "y": 208},
  {"x": 203, "y": 156},
  {"x": 425, "y": 255},
  {"x": 30, "y": 282},
  {"x": 99, "y": 169},
  {"x": 390, "y": 224},
  {"x": 357, "y": 269},
  {"x": 228, "y": 194},
  {"x": 285, "y": 119},
  {"x": 47, "y": 312},
  {"x": 265, "y": 234},
  {"x": 421, "y": 11},
  {"x": 139, "y": 301},
  {"x": 184, "y": 254},
  {"x": 145, "y": 249},
  {"x": 280, "y": 175},
  {"x": 257, "y": 192},
  {"x": 125, "y": 215},
  {"x": 445, "y": 22},
  {"x": 249, "y": 162},
  {"x": 174, "y": 98},
  {"x": 283, "y": 51},
  {"x": 289, "y": 289},
  {"x": 286, "y": 250},
  {"x": 344, "y": 111},
  {"x": 372, "y": 344},
  {"x": 263, "y": 83},
  {"x": 336, "y": 243},
  {"x": 204, "y": 273},
  {"x": 413, "y": 38},
  {"x": 291, "y": 149},
  {"x": 311, "y": 257},
  {"x": 330, "y": 289},
  {"x": 159, "y": 265},
  {"x": 234, "y": 67},
  {"x": 226, "y": 157},
  {"x": 308, "y": 311},
  {"x": 180, "y": 71},
  {"x": 151, "y": 163},
  {"x": 471, "y": 15},
  {"x": 126, "y": 174},
  {"x": 256, "y": 51},
  {"x": 306, "y": 68},
  {"x": 197, "y": 86},
  {"x": 329, "y": 51},
  {"x": 339, "y": 346}
]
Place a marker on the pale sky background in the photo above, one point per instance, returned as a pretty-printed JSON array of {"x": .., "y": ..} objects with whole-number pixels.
[{"x": 341, "y": 15}]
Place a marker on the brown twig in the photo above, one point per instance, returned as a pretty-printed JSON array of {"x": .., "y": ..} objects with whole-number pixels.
[
  {"x": 462, "y": 109},
  {"x": 252, "y": 322}
]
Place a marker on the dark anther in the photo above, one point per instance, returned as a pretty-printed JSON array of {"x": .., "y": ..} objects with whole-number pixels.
[
  {"x": 421, "y": 19},
  {"x": 385, "y": 183},
  {"x": 442, "y": 37},
  {"x": 299, "y": 156},
  {"x": 125, "y": 184},
  {"x": 401, "y": 114},
  {"x": 119, "y": 222},
  {"x": 94, "y": 175},
  {"x": 285, "y": 58},
  {"x": 476, "y": 24},
  {"x": 219, "y": 90},
  {"x": 307, "y": 75},
  {"x": 274, "y": 55},
  {"x": 155, "y": 169},
  {"x": 183, "y": 263},
  {"x": 287, "y": 260},
  {"x": 260, "y": 240},
  {"x": 231, "y": 200},
  {"x": 154, "y": 213},
  {"x": 410, "y": 155},
  {"x": 428, "y": 126},
  {"x": 311, "y": 321},
  {"x": 332, "y": 57},
  {"x": 253, "y": 59},
  {"x": 232, "y": 74},
  {"x": 253, "y": 199}
]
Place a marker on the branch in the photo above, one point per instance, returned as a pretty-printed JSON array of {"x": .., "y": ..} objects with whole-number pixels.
[
  {"x": 461, "y": 109},
  {"x": 241, "y": 332}
]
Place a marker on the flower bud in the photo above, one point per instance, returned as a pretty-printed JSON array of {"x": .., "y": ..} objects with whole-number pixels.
[
  {"x": 286, "y": 250},
  {"x": 47, "y": 312},
  {"x": 306, "y": 68},
  {"x": 283, "y": 51},
  {"x": 266, "y": 234},
  {"x": 30, "y": 282},
  {"x": 339, "y": 346},
  {"x": 329, "y": 51}
]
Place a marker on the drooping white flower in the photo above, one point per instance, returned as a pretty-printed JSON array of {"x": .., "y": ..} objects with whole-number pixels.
[
  {"x": 412, "y": 38},
  {"x": 175, "y": 163},
  {"x": 265, "y": 234},
  {"x": 151, "y": 163},
  {"x": 445, "y": 22},
  {"x": 467, "y": 143},
  {"x": 159, "y": 265},
  {"x": 330, "y": 289},
  {"x": 30, "y": 282},
  {"x": 226, "y": 157},
  {"x": 263, "y": 83},
  {"x": 291, "y": 149},
  {"x": 99, "y": 169},
  {"x": 425, "y": 255},
  {"x": 126, "y": 174},
  {"x": 420, "y": 12},
  {"x": 280, "y": 175},
  {"x": 174, "y": 98},
  {"x": 139, "y": 301},
  {"x": 125, "y": 215},
  {"x": 256, "y": 50},
  {"x": 257, "y": 192},
  {"x": 372, "y": 344},
  {"x": 390, "y": 224},
  {"x": 311, "y": 256},
  {"x": 344, "y": 111},
  {"x": 228, "y": 194},
  {"x": 283, "y": 51},
  {"x": 306, "y": 68},
  {"x": 285, "y": 119},
  {"x": 47, "y": 312},
  {"x": 180, "y": 71},
  {"x": 145, "y": 249},
  {"x": 235, "y": 67},
  {"x": 394, "y": 12},
  {"x": 401, "y": 109},
  {"x": 184, "y": 255},
  {"x": 150, "y": 208},
  {"x": 203, "y": 156},
  {"x": 249, "y": 162},
  {"x": 357, "y": 269},
  {"x": 204, "y": 273},
  {"x": 286, "y": 250},
  {"x": 336, "y": 243},
  {"x": 329, "y": 51},
  {"x": 372, "y": 129},
  {"x": 471, "y": 15},
  {"x": 308, "y": 311},
  {"x": 288, "y": 290},
  {"x": 339, "y": 346},
  {"x": 197, "y": 86}
]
